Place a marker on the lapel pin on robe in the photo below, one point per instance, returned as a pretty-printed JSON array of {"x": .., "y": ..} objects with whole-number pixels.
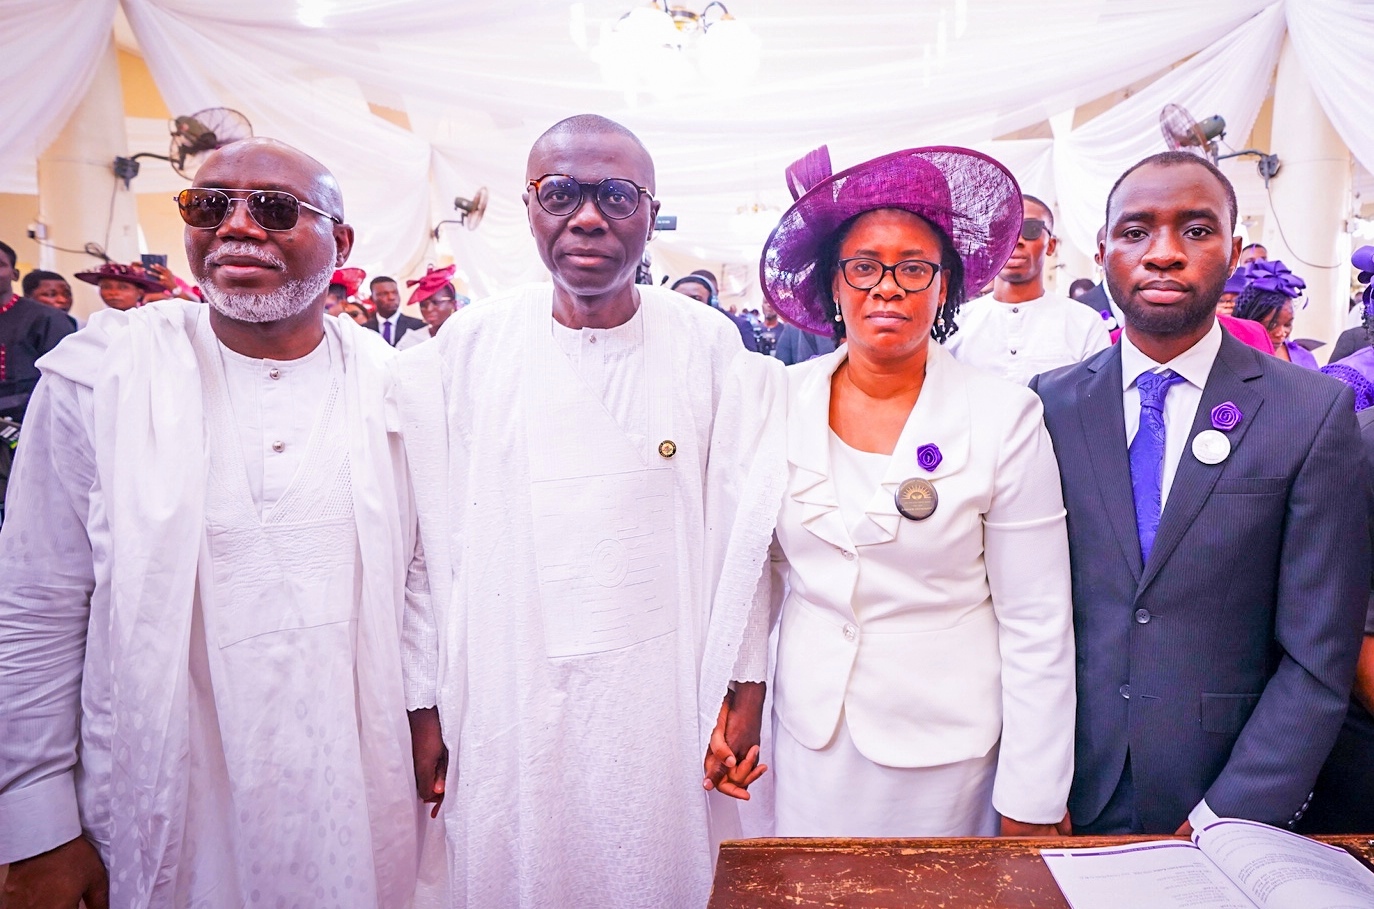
[
  {"x": 1211, "y": 446},
  {"x": 916, "y": 498},
  {"x": 667, "y": 448}
]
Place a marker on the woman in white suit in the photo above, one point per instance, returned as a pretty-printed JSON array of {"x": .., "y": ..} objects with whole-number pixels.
[{"x": 925, "y": 670}]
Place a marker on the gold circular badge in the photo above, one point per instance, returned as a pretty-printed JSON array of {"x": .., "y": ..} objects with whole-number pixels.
[
  {"x": 916, "y": 499},
  {"x": 667, "y": 448}
]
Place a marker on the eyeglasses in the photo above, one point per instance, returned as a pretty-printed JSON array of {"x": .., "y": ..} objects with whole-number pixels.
[
  {"x": 1032, "y": 228},
  {"x": 911, "y": 275},
  {"x": 272, "y": 209},
  {"x": 561, "y": 195}
]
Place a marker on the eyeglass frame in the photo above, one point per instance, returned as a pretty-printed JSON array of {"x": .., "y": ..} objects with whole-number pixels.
[
  {"x": 228, "y": 210},
  {"x": 582, "y": 195},
  {"x": 935, "y": 269},
  {"x": 1045, "y": 230}
]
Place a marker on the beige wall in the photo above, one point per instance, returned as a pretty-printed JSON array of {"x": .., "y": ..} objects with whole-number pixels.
[{"x": 16, "y": 214}]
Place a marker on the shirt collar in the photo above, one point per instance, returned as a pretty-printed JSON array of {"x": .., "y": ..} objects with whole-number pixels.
[{"x": 1194, "y": 364}]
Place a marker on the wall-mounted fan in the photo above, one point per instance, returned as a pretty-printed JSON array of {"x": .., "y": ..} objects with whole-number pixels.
[
  {"x": 194, "y": 136},
  {"x": 472, "y": 211},
  {"x": 1183, "y": 133}
]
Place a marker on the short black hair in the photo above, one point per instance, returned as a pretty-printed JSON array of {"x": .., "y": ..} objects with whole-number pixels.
[
  {"x": 1255, "y": 246},
  {"x": 951, "y": 267},
  {"x": 37, "y": 277},
  {"x": 1173, "y": 159},
  {"x": 337, "y": 290},
  {"x": 1049, "y": 212},
  {"x": 1260, "y": 306},
  {"x": 9, "y": 253},
  {"x": 380, "y": 279}
]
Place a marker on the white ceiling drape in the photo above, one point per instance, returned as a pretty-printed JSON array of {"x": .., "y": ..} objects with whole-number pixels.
[{"x": 479, "y": 81}]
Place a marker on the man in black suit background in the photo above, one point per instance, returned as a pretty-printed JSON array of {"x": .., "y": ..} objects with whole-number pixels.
[
  {"x": 391, "y": 322},
  {"x": 1097, "y": 297},
  {"x": 1218, "y": 531}
]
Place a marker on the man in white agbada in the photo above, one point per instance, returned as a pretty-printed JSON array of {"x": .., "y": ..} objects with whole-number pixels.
[
  {"x": 1020, "y": 329},
  {"x": 201, "y": 583},
  {"x": 597, "y": 491}
]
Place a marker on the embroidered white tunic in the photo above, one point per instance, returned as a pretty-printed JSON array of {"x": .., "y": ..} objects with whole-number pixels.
[
  {"x": 1018, "y": 341},
  {"x": 280, "y": 773},
  {"x": 595, "y": 596}
]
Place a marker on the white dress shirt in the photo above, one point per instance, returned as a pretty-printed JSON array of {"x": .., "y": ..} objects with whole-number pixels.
[
  {"x": 1180, "y": 405},
  {"x": 1018, "y": 341},
  {"x": 388, "y": 334}
]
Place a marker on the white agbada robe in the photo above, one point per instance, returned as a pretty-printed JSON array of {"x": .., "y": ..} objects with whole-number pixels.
[
  {"x": 1018, "y": 341},
  {"x": 593, "y": 597},
  {"x": 242, "y": 731}
]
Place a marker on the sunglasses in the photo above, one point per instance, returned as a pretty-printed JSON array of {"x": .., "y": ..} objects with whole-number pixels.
[
  {"x": 1032, "y": 228},
  {"x": 271, "y": 209},
  {"x": 561, "y": 195}
]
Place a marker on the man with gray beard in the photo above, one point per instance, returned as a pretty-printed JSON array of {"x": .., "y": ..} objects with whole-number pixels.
[{"x": 202, "y": 578}]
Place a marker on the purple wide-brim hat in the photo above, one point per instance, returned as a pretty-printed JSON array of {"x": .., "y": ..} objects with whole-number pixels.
[{"x": 971, "y": 197}]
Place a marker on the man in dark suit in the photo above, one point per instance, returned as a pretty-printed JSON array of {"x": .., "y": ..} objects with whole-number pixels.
[
  {"x": 1348, "y": 342},
  {"x": 1218, "y": 531},
  {"x": 1343, "y": 801},
  {"x": 391, "y": 322},
  {"x": 1097, "y": 296}
]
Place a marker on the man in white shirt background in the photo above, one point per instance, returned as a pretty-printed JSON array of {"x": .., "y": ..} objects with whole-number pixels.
[
  {"x": 392, "y": 324},
  {"x": 1020, "y": 330},
  {"x": 202, "y": 575}
]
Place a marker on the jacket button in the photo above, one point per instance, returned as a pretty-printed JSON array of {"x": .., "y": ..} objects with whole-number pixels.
[
  {"x": 850, "y": 632},
  {"x": 279, "y": 447},
  {"x": 274, "y": 373},
  {"x": 1125, "y": 691},
  {"x": 848, "y": 556},
  {"x": 1142, "y": 616}
]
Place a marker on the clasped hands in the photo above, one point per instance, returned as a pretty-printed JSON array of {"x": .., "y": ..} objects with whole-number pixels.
[{"x": 732, "y": 758}]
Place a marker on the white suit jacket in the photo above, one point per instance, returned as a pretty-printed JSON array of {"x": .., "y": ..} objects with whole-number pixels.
[{"x": 936, "y": 638}]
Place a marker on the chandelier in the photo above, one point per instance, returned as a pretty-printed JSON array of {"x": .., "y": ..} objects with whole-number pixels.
[{"x": 663, "y": 50}]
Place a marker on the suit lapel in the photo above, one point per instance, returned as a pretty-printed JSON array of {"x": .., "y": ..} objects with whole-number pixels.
[
  {"x": 1230, "y": 380},
  {"x": 808, "y": 450},
  {"x": 942, "y": 417},
  {"x": 1103, "y": 423}
]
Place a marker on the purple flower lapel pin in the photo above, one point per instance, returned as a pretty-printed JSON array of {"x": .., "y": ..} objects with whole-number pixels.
[
  {"x": 1226, "y": 416},
  {"x": 928, "y": 456}
]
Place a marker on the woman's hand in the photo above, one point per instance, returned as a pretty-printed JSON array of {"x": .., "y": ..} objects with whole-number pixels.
[{"x": 732, "y": 760}]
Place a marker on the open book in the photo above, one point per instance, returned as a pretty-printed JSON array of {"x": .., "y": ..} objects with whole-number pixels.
[{"x": 1230, "y": 864}]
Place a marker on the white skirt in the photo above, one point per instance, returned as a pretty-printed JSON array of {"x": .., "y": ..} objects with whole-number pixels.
[{"x": 836, "y": 791}]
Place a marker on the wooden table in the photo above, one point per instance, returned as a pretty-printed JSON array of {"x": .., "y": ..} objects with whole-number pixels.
[{"x": 910, "y": 874}]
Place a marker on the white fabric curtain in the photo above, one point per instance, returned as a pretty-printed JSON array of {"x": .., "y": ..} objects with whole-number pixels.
[
  {"x": 52, "y": 48},
  {"x": 1230, "y": 78},
  {"x": 478, "y": 82}
]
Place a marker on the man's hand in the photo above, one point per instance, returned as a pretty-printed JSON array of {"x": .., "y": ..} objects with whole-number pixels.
[
  {"x": 1185, "y": 830},
  {"x": 1020, "y": 828},
  {"x": 731, "y": 762},
  {"x": 430, "y": 756},
  {"x": 58, "y": 879}
]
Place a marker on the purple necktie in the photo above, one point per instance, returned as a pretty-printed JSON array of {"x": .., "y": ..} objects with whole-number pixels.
[
  {"x": 386, "y": 331},
  {"x": 1147, "y": 455}
]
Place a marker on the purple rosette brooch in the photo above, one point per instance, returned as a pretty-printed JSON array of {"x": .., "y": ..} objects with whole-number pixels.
[
  {"x": 1226, "y": 416},
  {"x": 928, "y": 456}
]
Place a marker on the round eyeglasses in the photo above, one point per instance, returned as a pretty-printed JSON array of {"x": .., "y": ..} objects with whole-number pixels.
[
  {"x": 561, "y": 195},
  {"x": 272, "y": 209},
  {"x": 911, "y": 275}
]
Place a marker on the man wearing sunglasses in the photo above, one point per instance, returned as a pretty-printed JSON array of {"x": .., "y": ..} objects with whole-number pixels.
[
  {"x": 201, "y": 582},
  {"x": 596, "y": 491},
  {"x": 1020, "y": 330}
]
